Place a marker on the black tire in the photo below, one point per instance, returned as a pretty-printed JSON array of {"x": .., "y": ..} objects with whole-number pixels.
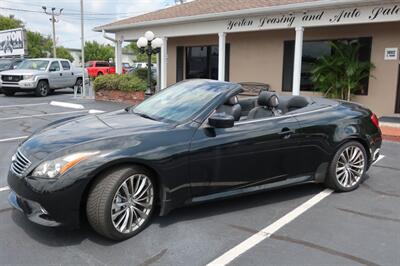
[
  {"x": 9, "y": 92},
  {"x": 79, "y": 84},
  {"x": 42, "y": 89},
  {"x": 104, "y": 192},
  {"x": 333, "y": 178}
]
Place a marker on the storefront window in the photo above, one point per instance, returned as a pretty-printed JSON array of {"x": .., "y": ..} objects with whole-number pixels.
[
  {"x": 197, "y": 62},
  {"x": 312, "y": 51},
  {"x": 202, "y": 62}
]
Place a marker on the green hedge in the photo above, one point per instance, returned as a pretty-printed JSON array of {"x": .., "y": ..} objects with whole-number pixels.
[{"x": 126, "y": 82}]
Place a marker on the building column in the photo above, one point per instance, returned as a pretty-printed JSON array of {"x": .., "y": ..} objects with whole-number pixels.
[
  {"x": 298, "y": 56},
  {"x": 221, "y": 55},
  {"x": 164, "y": 63},
  {"x": 118, "y": 57}
]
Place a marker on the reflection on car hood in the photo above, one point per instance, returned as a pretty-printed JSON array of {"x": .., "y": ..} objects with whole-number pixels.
[{"x": 85, "y": 129}]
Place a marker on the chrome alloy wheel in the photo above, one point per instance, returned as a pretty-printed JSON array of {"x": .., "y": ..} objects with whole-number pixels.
[
  {"x": 350, "y": 166},
  {"x": 132, "y": 203}
]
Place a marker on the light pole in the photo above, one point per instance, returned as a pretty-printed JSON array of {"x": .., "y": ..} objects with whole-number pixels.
[
  {"x": 149, "y": 45},
  {"x": 83, "y": 92},
  {"x": 53, "y": 20}
]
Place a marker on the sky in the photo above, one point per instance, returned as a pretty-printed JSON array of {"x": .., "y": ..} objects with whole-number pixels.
[{"x": 68, "y": 29}]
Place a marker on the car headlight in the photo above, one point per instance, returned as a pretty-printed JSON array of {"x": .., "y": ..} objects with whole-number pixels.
[
  {"x": 27, "y": 77},
  {"x": 57, "y": 167}
]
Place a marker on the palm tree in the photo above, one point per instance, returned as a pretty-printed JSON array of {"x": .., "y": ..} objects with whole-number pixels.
[{"x": 340, "y": 74}]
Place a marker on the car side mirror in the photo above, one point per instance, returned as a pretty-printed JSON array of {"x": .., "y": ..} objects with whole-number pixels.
[
  {"x": 52, "y": 69},
  {"x": 221, "y": 120}
]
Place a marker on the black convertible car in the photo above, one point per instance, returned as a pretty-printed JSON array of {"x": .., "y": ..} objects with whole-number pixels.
[{"x": 193, "y": 142}]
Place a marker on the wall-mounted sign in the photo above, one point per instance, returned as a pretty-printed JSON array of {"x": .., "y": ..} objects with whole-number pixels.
[
  {"x": 12, "y": 42},
  {"x": 391, "y": 53},
  {"x": 354, "y": 15}
]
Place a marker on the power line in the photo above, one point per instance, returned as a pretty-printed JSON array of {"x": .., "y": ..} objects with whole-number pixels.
[
  {"x": 67, "y": 15},
  {"x": 77, "y": 12}
]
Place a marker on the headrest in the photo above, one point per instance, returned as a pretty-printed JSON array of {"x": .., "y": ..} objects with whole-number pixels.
[
  {"x": 298, "y": 102},
  {"x": 268, "y": 99},
  {"x": 232, "y": 101}
]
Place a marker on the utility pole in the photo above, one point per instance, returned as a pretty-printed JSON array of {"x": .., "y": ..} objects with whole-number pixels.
[{"x": 53, "y": 20}]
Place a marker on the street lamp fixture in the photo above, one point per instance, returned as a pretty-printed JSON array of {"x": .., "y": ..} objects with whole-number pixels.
[{"x": 149, "y": 45}]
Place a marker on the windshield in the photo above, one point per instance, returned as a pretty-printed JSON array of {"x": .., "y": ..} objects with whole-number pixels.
[
  {"x": 179, "y": 102},
  {"x": 5, "y": 64},
  {"x": 34, "y": 64}
]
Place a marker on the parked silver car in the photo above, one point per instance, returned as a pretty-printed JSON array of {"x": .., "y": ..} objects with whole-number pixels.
[{"x": 42, "y": 76}]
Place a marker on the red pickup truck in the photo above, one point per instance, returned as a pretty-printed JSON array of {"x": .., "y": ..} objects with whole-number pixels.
[{"x": 99, "y": 68}]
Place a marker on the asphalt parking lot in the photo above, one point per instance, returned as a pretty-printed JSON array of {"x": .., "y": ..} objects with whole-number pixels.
[{"x": 358, "y": 228}]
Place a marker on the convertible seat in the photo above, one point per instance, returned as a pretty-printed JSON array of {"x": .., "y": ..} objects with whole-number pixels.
[
  {"x": 231, "y": 107},
  {"x": 296, "y": 102},
  {"x": 267, "y": 101}
]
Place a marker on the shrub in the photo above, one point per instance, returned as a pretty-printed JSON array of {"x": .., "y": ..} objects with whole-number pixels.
[
  {"x": 131, "y": 83},
  {"x": 142, "y": 74},
  {"x": 127, "y": 82}
]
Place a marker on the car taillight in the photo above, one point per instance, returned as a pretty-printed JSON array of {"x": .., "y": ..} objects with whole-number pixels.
[{"x": 375, "y": 120}]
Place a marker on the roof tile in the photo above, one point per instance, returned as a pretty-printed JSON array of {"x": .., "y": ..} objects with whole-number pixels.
[{"x": 201, "y": 7}]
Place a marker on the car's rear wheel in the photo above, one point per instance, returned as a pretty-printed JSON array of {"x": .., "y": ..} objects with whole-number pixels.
[
  {"x": 121, "y": 201},
  {"x": 9, "y": 93},
  {"x": 348, "y": 167},
  {"x": 42, "y": 89}
]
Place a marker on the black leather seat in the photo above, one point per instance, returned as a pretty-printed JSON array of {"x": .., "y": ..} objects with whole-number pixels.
[
  {"x": 231, "y": 107},
  {"x": 267, "y": 101},
  {"x": 296, "y": 102}
]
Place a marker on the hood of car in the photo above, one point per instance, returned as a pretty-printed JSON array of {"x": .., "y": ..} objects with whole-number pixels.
[
  {"x": 84, "y": 130},
  {"x": 21, "y": 72}
]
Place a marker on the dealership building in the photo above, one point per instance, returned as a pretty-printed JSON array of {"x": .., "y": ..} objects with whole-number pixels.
[{"x": 272, "y": 42}]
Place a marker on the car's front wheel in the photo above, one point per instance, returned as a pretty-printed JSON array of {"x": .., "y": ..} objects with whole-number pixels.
[
  {"x": 42, "y": 89},
  {"x": 121, "y": 201},
  {"x": 348, "y": 167}
]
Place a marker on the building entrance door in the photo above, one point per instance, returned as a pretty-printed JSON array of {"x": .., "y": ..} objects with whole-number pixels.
[{"x": 397, "y": 111}]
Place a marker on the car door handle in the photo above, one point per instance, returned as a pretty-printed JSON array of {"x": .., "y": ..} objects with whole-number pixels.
[
  {"x": 286, "y": 133},
  {"x": 60, "y": 74}
]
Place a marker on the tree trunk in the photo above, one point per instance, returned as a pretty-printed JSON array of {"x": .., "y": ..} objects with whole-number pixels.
[{"x": 348, "y": 93}]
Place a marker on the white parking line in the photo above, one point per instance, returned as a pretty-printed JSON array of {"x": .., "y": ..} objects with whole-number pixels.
[
  {"x": 379, "y": 158},
  {"x": 4, "y": 189},
  {"x": 23, "y": 105},
  {"x": 67, "y": 105},
  {"x": 12, "y": 139},
  {"x": 40, "y": 115},
  {"x": 265, "y": 233},
  {"x": 94, "y": 111}
]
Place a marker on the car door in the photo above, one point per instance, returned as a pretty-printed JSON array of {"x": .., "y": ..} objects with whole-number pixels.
[
  {"x": 315, "y": 134},
  {"x": 252, "y": 152},
  {"x": 55, "y": 75},
  {"x": 67, "y": 74}
]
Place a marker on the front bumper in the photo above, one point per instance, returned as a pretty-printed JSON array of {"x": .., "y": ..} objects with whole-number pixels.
[
  {"x": 47, "y": 202},
  {"x": 19, "y": 86},
  {"x": 33, "y": 210}
]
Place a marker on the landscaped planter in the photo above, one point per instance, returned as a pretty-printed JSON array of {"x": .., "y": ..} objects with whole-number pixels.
[{"x": 132, "y": 97}]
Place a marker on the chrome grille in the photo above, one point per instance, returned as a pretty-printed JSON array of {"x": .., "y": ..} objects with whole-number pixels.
[
  {"x": 11, "y": 78},
  {"x": 20, "y": 164}
]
